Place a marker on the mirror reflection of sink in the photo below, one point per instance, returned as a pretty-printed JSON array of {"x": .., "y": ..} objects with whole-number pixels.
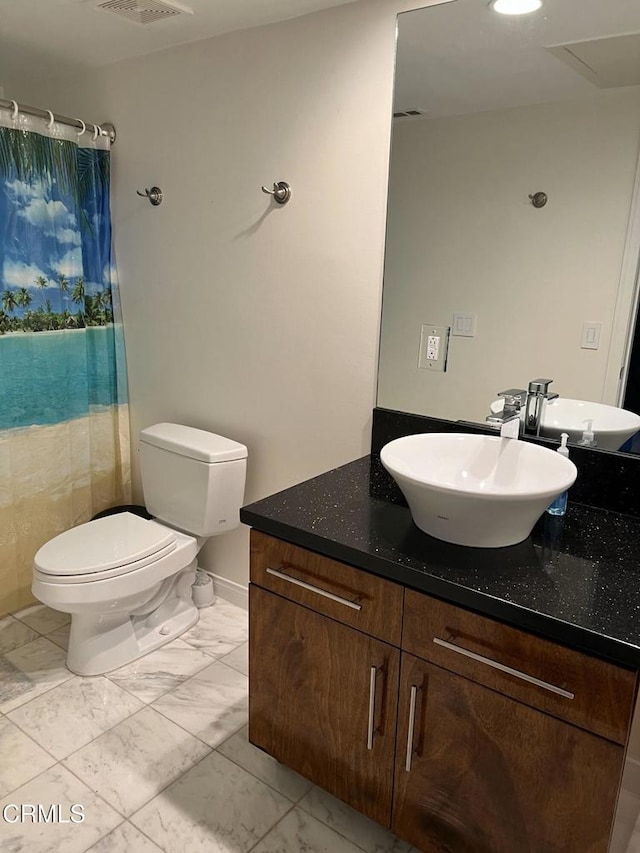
[
  {"x": 476, "y": 490},
  {"x": 611, "y": 426}
]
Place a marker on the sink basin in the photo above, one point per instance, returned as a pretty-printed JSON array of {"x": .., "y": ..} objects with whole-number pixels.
[
  {"x": 611, "y": 426},
  {"x": 476, "y": 490}
]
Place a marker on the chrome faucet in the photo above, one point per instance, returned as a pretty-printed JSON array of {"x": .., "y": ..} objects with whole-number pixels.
[
  {"x": 514, "y": 400},
  {"x": 537, "y": 393}
]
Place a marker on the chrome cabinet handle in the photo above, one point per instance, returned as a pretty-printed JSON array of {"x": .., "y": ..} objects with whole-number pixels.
[
  {"x": 372, "y": 705},
  {"x": 412, "y": 723},
  {"x": 495, "y": 665},
  {"x": 278, "y": 574}
]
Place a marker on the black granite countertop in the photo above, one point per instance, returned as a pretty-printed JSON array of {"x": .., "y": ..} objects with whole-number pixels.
[{"x": 575, "y": 580}]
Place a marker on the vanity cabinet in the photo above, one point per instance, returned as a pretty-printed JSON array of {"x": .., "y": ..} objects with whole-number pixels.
[
  {"x": 477, "y": 772},
  {"x": 323, "y": 701},
  {"x": 460, "y": 733}
]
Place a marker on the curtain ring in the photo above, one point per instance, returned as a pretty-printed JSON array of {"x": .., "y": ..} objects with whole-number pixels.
[
  {"x": 96, "y": 132},
  {"x": 14, "y": 114},
  {"x": 51, "y": 121},
  {"x": 84, "y": 127}
]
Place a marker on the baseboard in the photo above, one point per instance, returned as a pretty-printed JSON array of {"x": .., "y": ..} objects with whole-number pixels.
[{"x": 234, "y": 593}]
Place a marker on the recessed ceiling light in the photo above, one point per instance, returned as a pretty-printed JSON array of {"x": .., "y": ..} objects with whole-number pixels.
[{"x": 515, "y": 7}]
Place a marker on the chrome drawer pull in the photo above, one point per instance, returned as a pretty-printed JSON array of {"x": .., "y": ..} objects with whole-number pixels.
[
  {"x": 495, "y": 665},
  {"x": 372, "y": 706},
  {"x": 278, "y": 574},
  {"x": 412, "y": 723}
]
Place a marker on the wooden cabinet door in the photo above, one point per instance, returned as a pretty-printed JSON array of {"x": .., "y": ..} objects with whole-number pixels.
[
  {"x": 322, "y": 700},
  {"x": 477, "y": 772}
]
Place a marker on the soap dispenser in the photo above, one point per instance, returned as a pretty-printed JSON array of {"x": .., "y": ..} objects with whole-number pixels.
[
  {"x": 559, "y": 506},
  {"x": 588, "y": 438}
]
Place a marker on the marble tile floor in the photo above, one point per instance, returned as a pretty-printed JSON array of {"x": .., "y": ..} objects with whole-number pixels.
[
  {"x": 634, "y": 842},
  {"x": 156, "y": 752},
  {"x": 626, "y": 833}
]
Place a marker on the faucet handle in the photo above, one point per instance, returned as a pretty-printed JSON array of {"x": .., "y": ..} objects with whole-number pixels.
[
  {"x": 539, "y": 386},
  {"x": 517, "y": 395}
]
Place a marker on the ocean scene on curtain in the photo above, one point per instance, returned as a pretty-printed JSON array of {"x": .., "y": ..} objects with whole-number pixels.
[{"x": 64, "y": 428}]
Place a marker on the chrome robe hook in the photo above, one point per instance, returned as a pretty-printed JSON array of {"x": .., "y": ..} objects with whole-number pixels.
[
  {"x": 154, "y": 195},
  {"x": 281, "y": 191},
  {"x": 538, "y": 199}
]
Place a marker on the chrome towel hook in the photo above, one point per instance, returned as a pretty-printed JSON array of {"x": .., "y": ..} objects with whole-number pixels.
[
  {"x": 538, "y": 199},
  {"x": 154, "y": 195},
  {"x": 281, "y": 191}
]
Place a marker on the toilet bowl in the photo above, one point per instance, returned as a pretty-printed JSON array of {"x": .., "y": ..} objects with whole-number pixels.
[{"x": 125, "y": 580}]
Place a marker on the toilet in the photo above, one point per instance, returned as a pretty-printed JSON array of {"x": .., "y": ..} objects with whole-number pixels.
[{"x": 126, "y": 580}]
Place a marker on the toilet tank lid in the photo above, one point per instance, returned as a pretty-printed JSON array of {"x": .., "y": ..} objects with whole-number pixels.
[{"x": 194, "y": 443}]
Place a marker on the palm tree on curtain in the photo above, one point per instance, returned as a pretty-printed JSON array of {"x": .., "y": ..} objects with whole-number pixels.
[
  {"x": 77, "y": 296},
  {"x": 63, "y": 284},
  {"x": 105, "y": 302},
  {"x": 9, "y": 301},
  {"x": 92, "y": 310},
  {"x": 49, "y": 312},
  {"x": 41, "y": 284},
  {"x": 24, "y": 298}
]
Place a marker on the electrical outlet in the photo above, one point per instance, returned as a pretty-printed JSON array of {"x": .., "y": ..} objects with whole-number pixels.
[{"x": 434, "y": 347}]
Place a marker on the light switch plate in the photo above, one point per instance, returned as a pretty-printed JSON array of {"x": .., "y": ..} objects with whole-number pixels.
[
  {"x": 434, "y": 347},
  {"x": 464, "y": 324},
  {"x": 591, "y": 334}
]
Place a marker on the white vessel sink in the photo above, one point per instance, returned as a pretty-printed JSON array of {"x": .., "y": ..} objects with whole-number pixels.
[
  {"x": 611, "y": 426},
  {"x": 476, "y": 490}
]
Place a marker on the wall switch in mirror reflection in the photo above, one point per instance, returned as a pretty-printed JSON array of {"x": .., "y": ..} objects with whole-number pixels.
[
  {"x": 434, "y": 347},
  {"x": 464, "y": 325},
  {"x": 591, "y": 334}
]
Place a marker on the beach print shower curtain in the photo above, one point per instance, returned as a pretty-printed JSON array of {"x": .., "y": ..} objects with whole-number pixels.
[{"x": 64, "y": 426}]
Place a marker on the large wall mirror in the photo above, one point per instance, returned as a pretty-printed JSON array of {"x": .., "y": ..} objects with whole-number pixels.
[{"x": 514, "y": 211}]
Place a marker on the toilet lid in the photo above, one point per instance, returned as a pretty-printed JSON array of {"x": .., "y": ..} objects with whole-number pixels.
[{"x": 103, "y": 544}]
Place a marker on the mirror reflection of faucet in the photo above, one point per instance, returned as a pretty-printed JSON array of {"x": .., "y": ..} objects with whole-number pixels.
[
  {"x": 509, "y": 417},
  {"x": 537, "y": 393},
  {"x": 527, "y": 406}
]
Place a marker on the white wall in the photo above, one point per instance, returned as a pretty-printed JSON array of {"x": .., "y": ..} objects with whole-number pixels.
[
  {"x": 33, "y": 78},
  {"x": 464, "y": 237},
  {"x": 255, "y": 321}
]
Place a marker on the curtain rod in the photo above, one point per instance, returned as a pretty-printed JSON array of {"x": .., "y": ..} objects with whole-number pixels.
[{"x": 107, "y": 129}]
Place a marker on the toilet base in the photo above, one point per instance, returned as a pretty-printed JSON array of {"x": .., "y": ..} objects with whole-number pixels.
[{"x": 102, "y": 642}]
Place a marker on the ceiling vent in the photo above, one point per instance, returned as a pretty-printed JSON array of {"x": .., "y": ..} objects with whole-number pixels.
[
  {"x": 414, "y": 112},
  {"x": 145, "y": 11}
]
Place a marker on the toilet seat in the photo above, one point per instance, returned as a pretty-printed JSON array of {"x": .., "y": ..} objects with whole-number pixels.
[
  {"x": 88, "y": 577},
  {"x": 107, "y": 547}
]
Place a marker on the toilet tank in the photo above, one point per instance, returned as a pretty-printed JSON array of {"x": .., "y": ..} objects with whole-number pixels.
[{"x": 192, "y": 479}]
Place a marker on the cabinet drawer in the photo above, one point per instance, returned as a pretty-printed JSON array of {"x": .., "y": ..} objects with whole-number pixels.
[
  {"x": 583, "y": 690},
  {"x": 348, "y": 595}
]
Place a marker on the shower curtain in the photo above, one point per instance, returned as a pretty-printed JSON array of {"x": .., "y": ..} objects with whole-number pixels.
[{"x": 64, "y": 424}]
